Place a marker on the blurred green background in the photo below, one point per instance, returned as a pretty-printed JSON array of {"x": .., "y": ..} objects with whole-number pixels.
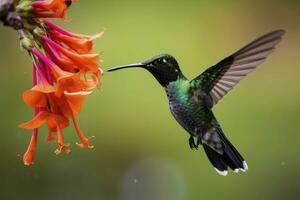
[{"x": 141, "y": 153}]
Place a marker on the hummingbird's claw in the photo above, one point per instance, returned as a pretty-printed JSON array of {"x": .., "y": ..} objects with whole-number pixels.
[{"x": 192, "y": 144}]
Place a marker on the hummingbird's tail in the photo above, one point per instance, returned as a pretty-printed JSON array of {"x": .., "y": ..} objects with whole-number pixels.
[{"x": 225, "y": 156}]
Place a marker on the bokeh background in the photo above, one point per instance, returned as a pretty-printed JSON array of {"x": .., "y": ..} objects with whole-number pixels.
[{"x": 141, "y": 153}]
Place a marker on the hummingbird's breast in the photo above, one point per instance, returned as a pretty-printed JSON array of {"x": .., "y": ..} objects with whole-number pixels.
[{"x": 192, "y": 115}]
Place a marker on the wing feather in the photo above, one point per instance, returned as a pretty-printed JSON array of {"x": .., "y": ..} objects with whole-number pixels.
[{"x": 219, "y": 79}]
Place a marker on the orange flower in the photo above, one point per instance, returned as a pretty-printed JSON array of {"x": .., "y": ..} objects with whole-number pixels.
[
  {"x": 70, "y": 105},
  {"x": 81, "y": 44},
  {"x": 29, "y": 155},
  {"x": 51, "y": 8}
]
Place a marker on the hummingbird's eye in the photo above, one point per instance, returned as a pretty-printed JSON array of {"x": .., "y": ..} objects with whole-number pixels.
[
  {"x": 162, "y": 61},
  {"x": 159, "y": 62}
]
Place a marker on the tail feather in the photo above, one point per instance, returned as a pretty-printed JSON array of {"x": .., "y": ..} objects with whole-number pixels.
[
  {"x": 234, "y": 155},
  {"x": 216, "y": 160},
  {"x": 229, "y": 157}
]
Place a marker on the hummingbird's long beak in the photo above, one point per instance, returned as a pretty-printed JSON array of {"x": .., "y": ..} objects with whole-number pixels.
[{"x": 127, "y": 66}]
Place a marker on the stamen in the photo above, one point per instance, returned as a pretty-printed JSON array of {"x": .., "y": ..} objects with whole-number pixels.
[
  {"x": 84, "y": 140},
  {"x": 60, "y": 141}
]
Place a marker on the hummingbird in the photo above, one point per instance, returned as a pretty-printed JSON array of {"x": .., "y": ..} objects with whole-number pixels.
[{"x": 191, "y": 101}]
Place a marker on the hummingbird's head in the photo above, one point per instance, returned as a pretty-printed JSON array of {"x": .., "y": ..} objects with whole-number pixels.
[{"x": 163, "y": 67}]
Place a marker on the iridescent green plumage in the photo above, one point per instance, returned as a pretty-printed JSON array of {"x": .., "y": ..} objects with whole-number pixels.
[{"x": 191, "y": 102}]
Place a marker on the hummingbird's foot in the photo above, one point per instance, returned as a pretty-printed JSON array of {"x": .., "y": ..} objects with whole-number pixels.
[
  {"x": 192, "y": 144},
  {"x": 199, "y": 141}
]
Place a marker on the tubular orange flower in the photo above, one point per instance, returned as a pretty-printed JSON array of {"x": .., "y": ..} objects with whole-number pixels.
[
  {"x": 81, "y": 44},
  {"x": 29, "y": 155},
  {"x": 51, "y": 8}
]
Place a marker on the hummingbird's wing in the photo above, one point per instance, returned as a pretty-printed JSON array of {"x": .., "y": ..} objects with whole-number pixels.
[{"x": 219, "y": 79}]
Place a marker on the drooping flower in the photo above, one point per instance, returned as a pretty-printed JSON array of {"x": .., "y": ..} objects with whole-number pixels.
[{"x": 65, "y": 72}]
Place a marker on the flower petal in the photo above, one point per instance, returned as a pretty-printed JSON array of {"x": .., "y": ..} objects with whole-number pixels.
[
  {"x": 36, "y": 122},
  {"x": 37, "y": 96}
]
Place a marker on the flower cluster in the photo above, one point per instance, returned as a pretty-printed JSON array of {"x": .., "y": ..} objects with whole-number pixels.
[{"x": 65, "y": 71}]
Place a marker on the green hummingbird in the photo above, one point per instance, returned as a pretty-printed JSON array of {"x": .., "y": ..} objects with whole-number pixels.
[{"x": 191, "y": 101}]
